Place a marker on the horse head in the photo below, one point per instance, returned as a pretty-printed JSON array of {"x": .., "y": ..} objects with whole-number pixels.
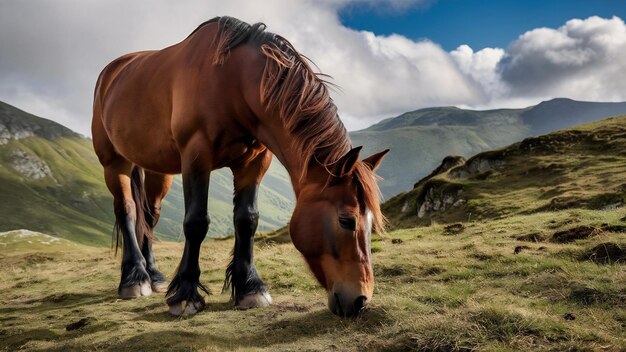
[{"x": 332, "y": 224}]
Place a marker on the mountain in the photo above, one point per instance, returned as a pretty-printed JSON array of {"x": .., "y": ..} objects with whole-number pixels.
[
  {"x": 51, "y": 182},
  {"x": 579, "y": 167},
  {"x": 420, "y": 139}
]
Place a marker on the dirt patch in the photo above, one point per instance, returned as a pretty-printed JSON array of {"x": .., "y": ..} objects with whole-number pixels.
[
  {"x": 531, "y": 237},
  {"x": 432, "y": 270},
  {"x": 575, "y": 233},
  {"x": 392, "y": 270},
  {"x": 482, "y": 256},
  {"x": 518, "y": 249},
  {"x": 606, "y": 253},
  {"x": 453, "y": 230},
  {"x": 569, "y": 316},
  {"x": 586, "y": 296},
  {"x": 613, "y": 228},
  {"x": 79, "y": 324},
  {"x": 37, "y": 258}
]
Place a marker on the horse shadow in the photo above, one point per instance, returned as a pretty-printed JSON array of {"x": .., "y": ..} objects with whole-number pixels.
[{"x": 282, "y": 331}]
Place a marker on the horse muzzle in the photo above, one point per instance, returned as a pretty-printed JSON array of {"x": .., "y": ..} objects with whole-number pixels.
[{"x": 345, "y": 305}]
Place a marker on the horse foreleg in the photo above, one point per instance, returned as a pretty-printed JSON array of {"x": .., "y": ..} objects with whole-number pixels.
[
  {"x": 135, "y": 280},
  {"x": 248, "y": 290},
  {"x": 183, "y": 297}
]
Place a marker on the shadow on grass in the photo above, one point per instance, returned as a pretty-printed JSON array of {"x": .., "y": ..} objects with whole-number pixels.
[
  {"x": 58, "y": 301},
  {"x": 164, "y": 316},
  {"x": 281, "y": 331}
]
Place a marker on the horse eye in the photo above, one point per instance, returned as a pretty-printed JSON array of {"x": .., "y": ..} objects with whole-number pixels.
[{"x": 348, "y": 223}]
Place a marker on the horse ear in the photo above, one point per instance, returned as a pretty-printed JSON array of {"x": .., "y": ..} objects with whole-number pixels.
[
  {"x": 346, "y": 164},
  {"x": 374, "y": 161}
]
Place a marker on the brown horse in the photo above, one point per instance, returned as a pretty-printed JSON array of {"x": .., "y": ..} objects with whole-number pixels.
[{"x": 231, "y": 95}]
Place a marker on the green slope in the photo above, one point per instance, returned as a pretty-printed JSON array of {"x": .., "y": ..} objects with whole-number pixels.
[
  {"x": 581, "y": 167},
  {"x": 420, "y": 139},
  {"x": 51, "y": 181}
]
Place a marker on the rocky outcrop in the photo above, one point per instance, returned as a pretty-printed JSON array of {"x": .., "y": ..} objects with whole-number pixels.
[
  {"x": 447, "y": 163},
  {"x": 8, "y": 133},
  {"x": 29, "y": 165},
  {"x": 434, "y": 200},
  {"x": 476, "y": 166}
]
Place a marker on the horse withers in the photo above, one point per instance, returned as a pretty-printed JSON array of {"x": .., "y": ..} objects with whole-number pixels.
[{"x": 232, "y": 95}]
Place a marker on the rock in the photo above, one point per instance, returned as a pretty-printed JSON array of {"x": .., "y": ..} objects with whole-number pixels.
[
  {"x": 29, "y": 165},
  {"x": 476, "y": 166},
  {"x": 432, "y": 200},
  {"x": 458, "y": 203},
  {"x": 396, "y": 241},
  {"x": 447, "y": 163}
]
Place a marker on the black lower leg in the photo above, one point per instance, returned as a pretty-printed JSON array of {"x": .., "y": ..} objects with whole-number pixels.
[
  {"x": 155, "y": 275},
  {"x": 133, "y": 262},
  {"x": 241, "y": 273},
  {"x": 195, "y": 226}
]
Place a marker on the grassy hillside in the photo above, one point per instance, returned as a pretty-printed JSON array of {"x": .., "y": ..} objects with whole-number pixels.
[
  {"x": 484, "y": 287},
  {"x": 581, "y": 167},
  {"x": 51, "y": 181},
  {"x": 420, "y": 139}
]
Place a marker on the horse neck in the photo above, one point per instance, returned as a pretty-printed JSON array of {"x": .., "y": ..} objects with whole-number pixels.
[{"x": 280, "y": 142}]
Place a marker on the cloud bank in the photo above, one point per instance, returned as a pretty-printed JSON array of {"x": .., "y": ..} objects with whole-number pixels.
[{"x": 52, "y": 52}]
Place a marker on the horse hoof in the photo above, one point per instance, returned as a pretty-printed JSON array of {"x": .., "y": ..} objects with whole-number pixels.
[
  {"x": 159, "y": 287},
  {"x": 134, "y": 291},
  {"x": 186, "y": 308},
  {"x": 255, "y": 300}
]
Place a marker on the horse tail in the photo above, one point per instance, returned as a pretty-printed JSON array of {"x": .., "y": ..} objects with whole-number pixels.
[{"x": 143, "y": 230}]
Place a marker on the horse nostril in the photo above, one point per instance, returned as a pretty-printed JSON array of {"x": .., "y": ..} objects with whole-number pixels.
[{"x": 360, "y": 303}]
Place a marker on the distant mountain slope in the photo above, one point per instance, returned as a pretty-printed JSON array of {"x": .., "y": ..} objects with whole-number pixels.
[
  {"x": 581, "y": 167},
  {"x": 420, "y": 139},
  {"x": 51, "y": 181}
]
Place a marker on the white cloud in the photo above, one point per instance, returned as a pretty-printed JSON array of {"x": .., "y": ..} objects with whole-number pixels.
[
  {"x": 481, "y": 67},
  {"x": 52, "y": 52},
  {"x": 584, "y": 59}
]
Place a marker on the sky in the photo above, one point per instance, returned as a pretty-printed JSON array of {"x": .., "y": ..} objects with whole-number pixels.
[{"x": 387, "y": 56}]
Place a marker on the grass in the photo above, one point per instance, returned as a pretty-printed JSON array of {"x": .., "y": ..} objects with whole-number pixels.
[{"x": 434, "y": 292}]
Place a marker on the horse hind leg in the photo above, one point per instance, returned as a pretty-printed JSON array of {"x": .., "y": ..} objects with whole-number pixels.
[
  {"x": 135, "y": 280},
  {"x": 156, "y": 187},
  {"x": 248, "y": 290}
]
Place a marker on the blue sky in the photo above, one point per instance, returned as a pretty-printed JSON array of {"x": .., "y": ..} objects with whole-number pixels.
[{"x": 477, "y": 23}]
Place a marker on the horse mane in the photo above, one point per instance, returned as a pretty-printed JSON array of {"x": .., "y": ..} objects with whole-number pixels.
[{"x": 300, "y": 96}]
